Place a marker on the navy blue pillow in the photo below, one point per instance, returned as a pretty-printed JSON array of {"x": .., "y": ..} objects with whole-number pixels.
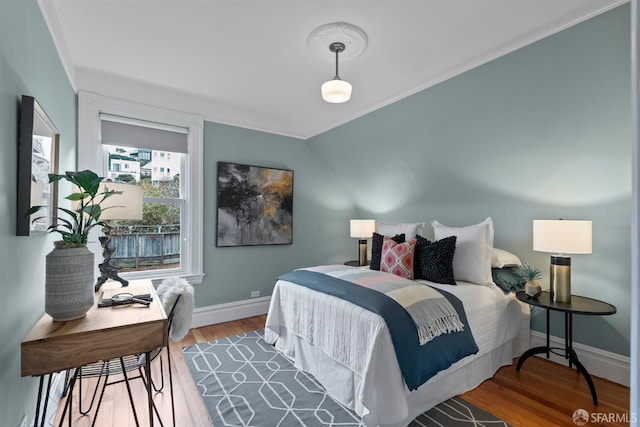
[
  {"x": 376, "y": 248},
  {"x": 433, "y": 261}
]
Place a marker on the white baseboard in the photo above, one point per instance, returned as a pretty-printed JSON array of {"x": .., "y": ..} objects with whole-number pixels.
[
  {"x": 230, "y": 311},
  {"x": 601, "y": 363}
]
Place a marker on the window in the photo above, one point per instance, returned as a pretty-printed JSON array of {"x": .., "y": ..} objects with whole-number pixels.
[
  {"x": 172, "y": 227},
  {"x": 154, "y": 243}
]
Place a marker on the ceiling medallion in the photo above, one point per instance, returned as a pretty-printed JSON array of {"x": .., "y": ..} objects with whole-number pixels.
[{"x": 354, "y": 38}]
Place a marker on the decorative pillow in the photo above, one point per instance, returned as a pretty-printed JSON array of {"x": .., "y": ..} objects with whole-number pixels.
[
  {"x": 474, "y": 244},
  {"x": 408, "y": 229},
  {"x": 376, "y": 248},
  {"x": 433, "y": 261},
  {"x": 397, "y": 258},
  {"x": 510, "y": 279},
  {"x": 501, "y": 258}
]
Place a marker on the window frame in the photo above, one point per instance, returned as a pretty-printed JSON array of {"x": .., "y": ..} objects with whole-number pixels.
[{"x": 91, "y": 156}]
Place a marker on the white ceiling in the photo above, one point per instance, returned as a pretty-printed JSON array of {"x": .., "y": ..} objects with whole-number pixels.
[{"x": 247, "y": 63}]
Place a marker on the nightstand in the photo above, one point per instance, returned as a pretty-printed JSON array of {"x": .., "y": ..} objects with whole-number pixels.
[{"x": 578, "y": 305}]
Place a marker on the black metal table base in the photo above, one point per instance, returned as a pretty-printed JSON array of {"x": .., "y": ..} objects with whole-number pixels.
[
  {"x": 66, "y": 413},
  {"x": 573, "y": 359},
  {"x": 577, "y": 305}
]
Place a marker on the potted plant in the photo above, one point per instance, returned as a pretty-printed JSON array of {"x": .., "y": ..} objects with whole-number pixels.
[
  {"x": 531, "y": 274},
  {"x": 70, "y": 266}
]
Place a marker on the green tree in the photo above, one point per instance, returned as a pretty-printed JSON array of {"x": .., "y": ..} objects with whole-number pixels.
[
  {"x": 160, "y": 213},
  {"x": 126, "y": 177}
]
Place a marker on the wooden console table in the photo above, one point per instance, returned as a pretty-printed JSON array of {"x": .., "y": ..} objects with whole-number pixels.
[{"x": 104, "y": 333}]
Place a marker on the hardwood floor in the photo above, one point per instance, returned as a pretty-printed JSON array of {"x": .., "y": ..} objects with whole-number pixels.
[{"x": 543, "y": 393}]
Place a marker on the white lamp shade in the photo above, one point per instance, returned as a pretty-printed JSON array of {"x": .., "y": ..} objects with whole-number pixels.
[
  {"x": 127, "y": 205},
  {"x": 336, "y": 91},
  {"x": 362, "y": 228},
  {"x": 562, "y": 236}
]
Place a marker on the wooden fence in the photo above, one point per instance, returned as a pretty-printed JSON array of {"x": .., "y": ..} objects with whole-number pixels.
[{"x": 140, "y": 250}]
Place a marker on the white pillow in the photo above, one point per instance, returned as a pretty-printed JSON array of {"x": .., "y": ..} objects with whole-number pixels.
[
  {"x": 409, "y": 229},
  {"x": 501, "y": 258},
  {"x": 474, "y": 244}
]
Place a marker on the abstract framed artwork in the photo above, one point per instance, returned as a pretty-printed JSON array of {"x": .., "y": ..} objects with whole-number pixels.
[{"x": 254, "y": 205}]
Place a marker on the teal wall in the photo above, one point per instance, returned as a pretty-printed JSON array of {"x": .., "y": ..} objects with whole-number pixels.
[
  {"x": 29, "y": 65},
  {"x": 541, "y": 133},
  {"x": 321, "y": 212}
]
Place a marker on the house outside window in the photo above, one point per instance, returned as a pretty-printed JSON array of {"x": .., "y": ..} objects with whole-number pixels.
[{"x": 121, "y": 166}]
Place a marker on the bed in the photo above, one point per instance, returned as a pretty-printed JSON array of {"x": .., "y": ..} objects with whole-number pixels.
[
  {"x": 328, "y": 328},
  {"x": 349, "y": 349}
]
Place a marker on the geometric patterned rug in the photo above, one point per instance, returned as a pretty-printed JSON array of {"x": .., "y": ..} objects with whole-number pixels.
[{"x": 244, "y": 381}]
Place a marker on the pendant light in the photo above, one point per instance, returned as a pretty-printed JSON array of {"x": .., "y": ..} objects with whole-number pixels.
[{"x": 337, "y": 90}]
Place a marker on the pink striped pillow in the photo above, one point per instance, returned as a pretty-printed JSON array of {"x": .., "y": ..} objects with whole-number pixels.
[{"x": 397, "y": 258}]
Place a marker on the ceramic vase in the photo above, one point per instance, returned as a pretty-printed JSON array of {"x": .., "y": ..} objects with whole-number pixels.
[
  {"x": 533, "y": 289},
  {"x": 69, "y": 283}
]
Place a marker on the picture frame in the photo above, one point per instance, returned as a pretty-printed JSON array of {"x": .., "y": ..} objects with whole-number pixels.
[
  {"x": 38, "y": 140},
  {"x": 254, "y": 205}
]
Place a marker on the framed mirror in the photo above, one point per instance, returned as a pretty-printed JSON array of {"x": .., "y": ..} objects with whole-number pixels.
[{"x": 37, "y": 158}]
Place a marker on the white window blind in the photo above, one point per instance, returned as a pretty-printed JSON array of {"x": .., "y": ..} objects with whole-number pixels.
[{"x": 129, "y": 132}]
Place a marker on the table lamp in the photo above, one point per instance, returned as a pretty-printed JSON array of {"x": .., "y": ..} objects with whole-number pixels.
[
  {"x": 362, "y": 229},
  {"x": 125, "y": 206},
  {"x": 561, "y": 237}
]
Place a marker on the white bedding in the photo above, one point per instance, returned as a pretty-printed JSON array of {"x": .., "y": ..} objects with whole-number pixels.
[{"x": 349, "y": 349}]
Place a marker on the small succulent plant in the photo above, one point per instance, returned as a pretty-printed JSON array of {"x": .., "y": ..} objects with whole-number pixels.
[{"x": 530, "y": 273}]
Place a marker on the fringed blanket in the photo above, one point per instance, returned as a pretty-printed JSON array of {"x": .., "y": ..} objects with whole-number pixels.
[
  {"x": 417, "y": 362},
  {"x": 431, "y": 312}
]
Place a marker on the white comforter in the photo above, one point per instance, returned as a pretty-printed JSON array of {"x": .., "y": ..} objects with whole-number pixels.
[{"x": 349, "y": 349}]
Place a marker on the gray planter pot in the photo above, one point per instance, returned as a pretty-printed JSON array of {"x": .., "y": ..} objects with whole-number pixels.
[{"x": 69, "y": 283}]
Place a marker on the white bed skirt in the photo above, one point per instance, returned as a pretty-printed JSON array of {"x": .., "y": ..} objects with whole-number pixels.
[{"x": 454, "y": 381}]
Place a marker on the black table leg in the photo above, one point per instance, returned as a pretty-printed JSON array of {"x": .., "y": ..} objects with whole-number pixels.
[
  {"x": 37, "y": 417},
  {"x": 548, "y": 343},
  {"x": 67, "y": 405},
  {"x": 573, "y": 357},
  {"x": 568, "y": 338},
  {"x": 535, "y": 350},
  {"x": 39, "y": 401},
  {"x": 529, "y": 353},
  {"x": 147, "y": 368}
]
